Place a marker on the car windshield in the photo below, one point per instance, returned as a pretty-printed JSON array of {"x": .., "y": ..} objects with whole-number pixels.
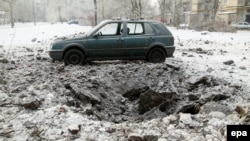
[{"x": 96, "y": 27}]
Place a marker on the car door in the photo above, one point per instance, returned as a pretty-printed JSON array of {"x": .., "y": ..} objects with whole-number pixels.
[
  {"x": 138, "y": 38},
  {"x": 106, "y": 42}
]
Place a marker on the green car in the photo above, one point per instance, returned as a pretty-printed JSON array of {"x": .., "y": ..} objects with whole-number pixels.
[{"x": 117, "y": 40}]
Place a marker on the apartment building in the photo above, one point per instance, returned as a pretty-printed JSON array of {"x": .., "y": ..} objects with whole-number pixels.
[
  {"x": 234, "y": 10},
  {"x": 227, "y": 12}
]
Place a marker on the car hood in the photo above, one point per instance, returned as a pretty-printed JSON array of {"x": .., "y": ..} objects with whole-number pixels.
[{"x": 70, "y": 38}]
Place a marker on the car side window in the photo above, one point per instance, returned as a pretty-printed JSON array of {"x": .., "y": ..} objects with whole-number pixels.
[
  {"x": 109, "y": 29},
  {"x": 135, "y": 29},
  {"x": 148, "y": 29}
]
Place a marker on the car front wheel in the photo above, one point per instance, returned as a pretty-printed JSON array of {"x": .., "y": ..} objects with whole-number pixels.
[
  {"x": 156, "y": 55},
  {"x": 74, "y": 57}
]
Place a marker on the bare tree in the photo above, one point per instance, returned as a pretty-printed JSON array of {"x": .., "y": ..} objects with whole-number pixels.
[
  {"x": 177, "y": 13},
  {"x": 214, "y": 10},
  {"x": 11, "y": 3},
  {"x": 162, "y": 4},
  {"x": 95, "y": 3},
  {"x": 34, "y": 13},
  {"x": 137, "y": 7}
]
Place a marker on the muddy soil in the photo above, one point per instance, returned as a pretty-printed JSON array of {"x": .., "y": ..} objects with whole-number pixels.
[{"x": 115, "y": 91}]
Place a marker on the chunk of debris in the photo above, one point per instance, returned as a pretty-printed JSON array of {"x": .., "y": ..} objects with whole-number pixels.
[
  {"x": 192, "y": 97},
  {"x": 204, "y": 32},
  {"x": 84, "y": 95},
  {"x": 150, "y": 138},
  {"x": 207, "y": 80},
  {"x": 193, "y": 108},
  {"x": 29, "y": 49},
  {"x": 134, "y": 93},
  {"x": 2, "y": 81},
  {"x": 185, "y": 118},
  {"x": 173, "y": 66},
  {"x": 31, "y": 103},
  {"x": 3, "y": 60},
  {"x": 135, "y": 137},
  {"x": 180, "y": 44},
  {"x": 242, "y": 67},
  {"x": 244, "y": 112},
  {"x": 74, "y": 129},
  {"x": 34, "y": 39},
  {"x": 218, "y": 97},
  {"x": 210, "y": 70},
  {"x": 229, "y": 62},
  {"x": 206, "y": 42}
]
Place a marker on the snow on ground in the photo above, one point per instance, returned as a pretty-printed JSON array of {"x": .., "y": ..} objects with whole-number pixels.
[
  {"x": 214, "y": 49},
  {"x": 37, "y": 103},
  {"x": 24, "y": 33}
]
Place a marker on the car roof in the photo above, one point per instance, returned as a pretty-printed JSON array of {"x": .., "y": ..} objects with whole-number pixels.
[{"x": 132, "y": 20}]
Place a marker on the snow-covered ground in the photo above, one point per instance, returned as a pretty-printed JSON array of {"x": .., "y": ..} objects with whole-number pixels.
[
  {"x": 213, "y": 50},
  {"x": 39, "y": 99}
]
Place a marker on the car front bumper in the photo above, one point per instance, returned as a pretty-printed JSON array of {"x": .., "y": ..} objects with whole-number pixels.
[{"x": 56, "y": 55}]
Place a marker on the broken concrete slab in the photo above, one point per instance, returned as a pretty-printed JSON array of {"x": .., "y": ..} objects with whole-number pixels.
[{"x": 173, "y": 66}]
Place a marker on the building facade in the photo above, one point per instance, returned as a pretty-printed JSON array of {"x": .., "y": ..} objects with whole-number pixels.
[
  {"x": 225, "y": 11},
  {"x": 234, "y": 10}
]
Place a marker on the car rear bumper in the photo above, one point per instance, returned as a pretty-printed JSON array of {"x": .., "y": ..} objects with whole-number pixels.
[
  {"x": 56, "y": 55},
  {"x": 170, "y": 51}
]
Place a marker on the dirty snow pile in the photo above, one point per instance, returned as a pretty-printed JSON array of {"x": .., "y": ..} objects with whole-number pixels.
[{"x": 192, "y": 96}]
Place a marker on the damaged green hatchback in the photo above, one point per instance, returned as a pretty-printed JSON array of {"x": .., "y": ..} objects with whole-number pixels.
[{"x": 117, "y": 40}]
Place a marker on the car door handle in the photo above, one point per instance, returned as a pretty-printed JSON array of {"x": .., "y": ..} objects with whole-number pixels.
[{"x": 151, "y": 38}]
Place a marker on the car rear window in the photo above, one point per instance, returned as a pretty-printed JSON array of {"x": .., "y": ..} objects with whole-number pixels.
[
  {"x": 161, "y": 29},
  {"x": 148, "y": 29}
]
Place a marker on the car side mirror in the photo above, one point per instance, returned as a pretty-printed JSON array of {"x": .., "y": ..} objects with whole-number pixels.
[{"x": 95, "y": 34}]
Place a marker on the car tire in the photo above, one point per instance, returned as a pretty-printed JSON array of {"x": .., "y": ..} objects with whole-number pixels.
[
  {"x": 74, "y": 57},
  {"x": 156, "y": 55}
]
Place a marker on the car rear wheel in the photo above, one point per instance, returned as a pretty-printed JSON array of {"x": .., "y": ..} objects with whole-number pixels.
[
  {"x": 74, "y": 57},
  {"x": 156, "y": 55}
]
